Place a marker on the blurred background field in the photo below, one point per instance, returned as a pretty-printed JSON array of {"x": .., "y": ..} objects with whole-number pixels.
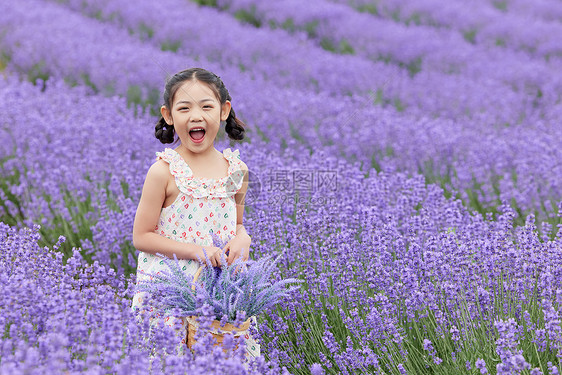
[{"x": 405, "y": 159}]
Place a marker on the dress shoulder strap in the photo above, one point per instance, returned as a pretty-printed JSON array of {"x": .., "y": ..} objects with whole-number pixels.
[
  {"x": 178, "y": 166},
  {"x": 235, "y": 176},
  {"x": 232, "y": 156}
]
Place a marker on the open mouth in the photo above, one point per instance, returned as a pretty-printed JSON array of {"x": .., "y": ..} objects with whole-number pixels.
[{"x": 197, "y": 135}]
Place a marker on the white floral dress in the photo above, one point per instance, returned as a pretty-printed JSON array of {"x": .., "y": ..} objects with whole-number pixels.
[{"x": 203, "y": 206}]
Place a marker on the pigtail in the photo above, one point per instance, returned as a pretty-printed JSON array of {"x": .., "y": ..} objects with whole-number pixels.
[
  {"x": 164, "y": 132},
  {"x": 234, "y": 126}
]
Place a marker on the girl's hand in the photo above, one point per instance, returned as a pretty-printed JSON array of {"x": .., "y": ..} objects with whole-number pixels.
[
  {"x": 214, "y": 255},
  {"x": 238, "y": 246}
]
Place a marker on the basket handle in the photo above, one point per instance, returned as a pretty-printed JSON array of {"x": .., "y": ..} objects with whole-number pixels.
[{"x": 196, "y": 276}]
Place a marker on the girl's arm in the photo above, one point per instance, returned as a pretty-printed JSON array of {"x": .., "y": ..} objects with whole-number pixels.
[
  {"x": 240, "y": 200},
  {"x": 148, "y": 213},
  {"x": 239, "y": 245}
]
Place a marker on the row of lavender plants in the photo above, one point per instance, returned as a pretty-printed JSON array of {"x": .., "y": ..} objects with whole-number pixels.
[
  {"x": 461, "y": 163},
  {"x": 517, "y": 25},
  {"x": 429, "y": 53},
  {"x": 399, "y": 279},
  {"x": 425, "y": 48}
]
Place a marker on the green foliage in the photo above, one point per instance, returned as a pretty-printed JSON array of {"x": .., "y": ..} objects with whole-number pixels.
[
  {"x": 75, "y": 230},
  {"x": 98, "y": 15},
  {"x": 289, "y": 25},
  {"x": 310, "y": 28},
  {"x": 414, "y": 19},
  {"x": 369, "y": 8},
  {"x": 345, "y": 48},
  {"x": 399, "y": 105},
  {"x": 389, "y": 151},
  {"x": 546, "y": 214},
  {"x": 145, "y": 31},
  {"x": 151, "y": 100},
  {"x": 283, "y": 144},
  {"x": 134, "y": 94},
  {"x": 315, "y": 83},
  {"x": 207, "y": 3},
  {"x": 375, "y": 164},
  {"x": 6, "y": 182},
  {"x": 262, "y": 135},
  {"x": 414, "y": 67},
  {"x": 170, "y": 46},
  {"x": 395, "y": 15},
  {"x": 38, "y": 72},
  {"x": 342, "y": 48},
  {"x": 500, "y": 5},
  {"x": 295, "y": 133},
  {"x": 5, "y": 59},
  {"x": 248, "y": 16},
  {"x": 328, "y": 45},
  {"x": 379, "y": 98},
  {"x": 470, "y": 36},
  {"x": 88, "y": 82}
]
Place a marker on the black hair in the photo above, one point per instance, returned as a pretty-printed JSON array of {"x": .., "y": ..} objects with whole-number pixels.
[{"x": 235, "y": 128}]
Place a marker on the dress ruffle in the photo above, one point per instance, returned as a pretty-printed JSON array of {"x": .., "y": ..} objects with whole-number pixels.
[{"x": 200, "y": 187}]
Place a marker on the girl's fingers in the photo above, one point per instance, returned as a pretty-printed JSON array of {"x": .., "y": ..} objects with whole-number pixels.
[
  {"x": 217, "y": 259},
  {"x": 225, "y": 259},
  {"x": 231, "y": 257}
]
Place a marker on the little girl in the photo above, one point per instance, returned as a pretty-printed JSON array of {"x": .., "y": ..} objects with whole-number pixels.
[{"x": 193, "y": 190}]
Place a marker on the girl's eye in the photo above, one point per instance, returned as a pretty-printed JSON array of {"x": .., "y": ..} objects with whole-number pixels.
[{"x": 208, "y": 106}]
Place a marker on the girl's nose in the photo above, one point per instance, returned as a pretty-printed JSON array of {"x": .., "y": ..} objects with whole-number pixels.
[{"x": 196, "y": 114}]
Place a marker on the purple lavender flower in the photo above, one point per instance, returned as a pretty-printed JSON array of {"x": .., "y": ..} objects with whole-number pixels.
[
  {"x": 481, "y": 365},
  {"x": 316, "y": 369},
  {"x": 230, "y": 290},
  {"x": 506, "y": 347}
]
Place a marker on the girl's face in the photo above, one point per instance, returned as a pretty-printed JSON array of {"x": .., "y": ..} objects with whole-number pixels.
[{"x": 196, "y": 114}]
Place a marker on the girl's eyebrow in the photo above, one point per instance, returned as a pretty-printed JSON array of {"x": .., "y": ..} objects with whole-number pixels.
[{"x": 188, "y": 102}]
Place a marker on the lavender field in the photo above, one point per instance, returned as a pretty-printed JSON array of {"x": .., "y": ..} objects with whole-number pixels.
[{"x": 405, "y": 160}]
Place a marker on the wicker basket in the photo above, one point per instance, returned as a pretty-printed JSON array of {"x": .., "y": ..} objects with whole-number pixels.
[{"x": 216, "y": 331}]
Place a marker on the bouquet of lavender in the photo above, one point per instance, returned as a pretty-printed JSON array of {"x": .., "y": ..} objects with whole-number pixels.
[{"x": 239, "y": 289}]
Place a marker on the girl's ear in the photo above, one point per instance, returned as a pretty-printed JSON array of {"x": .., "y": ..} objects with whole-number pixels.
[
  {"x": 166, "y": 115},
  {"x": 225, "y": 110}
]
